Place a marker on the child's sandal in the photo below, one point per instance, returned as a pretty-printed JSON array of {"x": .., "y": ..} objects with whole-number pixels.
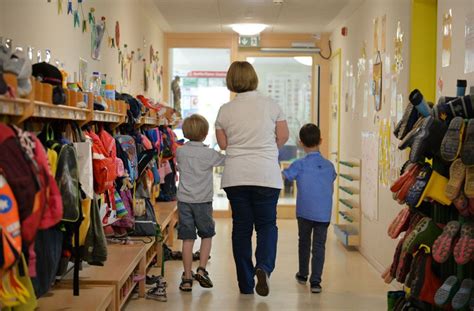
[
  {"x": 186, "y": 284},
  {"x": 203, "y": 278}
]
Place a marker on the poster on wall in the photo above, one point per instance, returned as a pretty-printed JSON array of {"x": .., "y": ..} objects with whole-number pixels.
[
  {"x": 369, "y": 178},
  {"x": 398, "y": 53},
  {"x": 447, "y": 38},
  {"x": 469, "y": 44}
]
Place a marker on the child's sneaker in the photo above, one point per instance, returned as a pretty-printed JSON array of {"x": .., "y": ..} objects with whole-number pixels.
[
  {"x": 157, "y": 293},
  {"x": 202, "y": 276},
  {"x": 301, "y": 279},
  {"x": 155, "y": 279},
  {"x": 316, "y": 289}
]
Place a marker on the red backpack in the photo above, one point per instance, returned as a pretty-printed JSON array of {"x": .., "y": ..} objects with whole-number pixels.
[{"x": 103, "y": 164}]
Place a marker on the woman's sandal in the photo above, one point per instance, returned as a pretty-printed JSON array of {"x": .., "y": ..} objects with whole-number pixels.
[
  {"x": 186, "y": 284},
  {"x": 203, "y": 278}
]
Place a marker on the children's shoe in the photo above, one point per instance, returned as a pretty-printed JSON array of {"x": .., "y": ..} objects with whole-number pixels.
[
  {"x": 186, "y": 285},
  {"x": 445, "y": 293},
  {"x": 467, "y": 152},
  {"x": 202, "y": 276},
  {"x": 157, "y": 293},
  {"x": 155, "y": 279},
  {"x": 301, "y": 279},
  {"x": 464, "y": 249},
  {"x": 316, "y": 289},
  {"x": 461, "y": 298},
  {"x": 452, "y": 141},
  {"x": 262, "y": 287},
  {"x": 443, "y": 245},
  {"x": 457, "y": 174},
  {"x": 425, "y": 232},
  {"x": 469, "y": 183}
]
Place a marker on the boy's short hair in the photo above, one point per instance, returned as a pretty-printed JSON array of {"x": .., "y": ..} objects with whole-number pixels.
[
  {"x": 195, "y": 127},
  {"x": 310, "y": 135},
  {"x": 241, "y": 77}
]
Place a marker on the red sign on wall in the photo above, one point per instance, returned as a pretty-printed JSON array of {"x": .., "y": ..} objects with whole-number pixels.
[{"x": 207, "y": 74}]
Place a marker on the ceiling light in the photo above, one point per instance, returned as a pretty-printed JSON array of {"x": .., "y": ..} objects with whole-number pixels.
[
  {"x": 251, "y": 60},
  {"x": 305, "y": 60},
  {"x": 248, "y": 29}
]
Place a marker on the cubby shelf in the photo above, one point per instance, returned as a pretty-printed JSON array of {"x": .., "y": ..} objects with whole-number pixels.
[
  {"x": 348, "y": 203},
  {"x": 349, "y": 164},
  {"x": 349, "y": 177},
  {"x": 349, "y": 190}
]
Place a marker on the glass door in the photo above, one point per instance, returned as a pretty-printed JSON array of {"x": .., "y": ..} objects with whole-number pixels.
[
  {"x": 289, "y": 81},
  {"x": 199, "y": 76}
]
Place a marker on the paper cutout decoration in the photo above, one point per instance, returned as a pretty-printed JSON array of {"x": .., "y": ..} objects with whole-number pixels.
[
  {"x": 91, "y": 16},
  {"x": 447, "y": 38},
  {"x": 69, "y": 7},
  {"x": 152, "y": 53},
  {"x": 60, "y": 7},
  {"x": 77, "y": 22},
  {"x": 376, "y": 35},
  {"x": 84, "y": 26},
  {"x": 377, "y": 82},
  {"x": 83, "y": 72},
  {"x": 398, "y": 55},
  {"x": 97, "y": 34},
  {"x": 117, "y": 33}
]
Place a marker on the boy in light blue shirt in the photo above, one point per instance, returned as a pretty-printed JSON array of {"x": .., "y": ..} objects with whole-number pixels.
[{"x": 314, "y": 177}]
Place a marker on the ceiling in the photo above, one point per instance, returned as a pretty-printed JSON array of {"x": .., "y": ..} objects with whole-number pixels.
[{"x": 293, "y": 16}]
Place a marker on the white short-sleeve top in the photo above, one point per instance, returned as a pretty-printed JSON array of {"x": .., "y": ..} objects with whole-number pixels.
[{"x": 249, "y": 122}]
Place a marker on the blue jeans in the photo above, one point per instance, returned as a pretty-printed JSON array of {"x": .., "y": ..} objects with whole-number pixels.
[
  {"x": 318, "y": 231},
  {"x": 253, "y": 205}
]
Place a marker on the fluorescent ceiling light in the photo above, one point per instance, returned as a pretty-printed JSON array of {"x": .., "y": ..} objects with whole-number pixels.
[
  {"x": 248, "y": 29},
  {"x": 251, "y": 60},
  {"x": 291, "y": 50},
  {"x": 305, "y": 60}
]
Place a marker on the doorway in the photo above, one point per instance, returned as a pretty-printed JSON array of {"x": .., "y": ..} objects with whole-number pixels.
[
  {"x": 202, "y": 73},
  {"x": 292, "y": 82}
]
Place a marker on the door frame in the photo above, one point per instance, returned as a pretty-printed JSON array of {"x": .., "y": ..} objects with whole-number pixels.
[{"x": 337, "y": 56}]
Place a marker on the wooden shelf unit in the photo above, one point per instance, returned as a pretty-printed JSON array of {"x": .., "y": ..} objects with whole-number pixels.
[{"x": 347, "y": 227}]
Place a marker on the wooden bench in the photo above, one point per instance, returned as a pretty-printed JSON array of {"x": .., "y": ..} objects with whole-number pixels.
[
  {"x": 118, "y": 270},
  {"x": 167, "y": 218},
  {"x": 91, "y": 298}
]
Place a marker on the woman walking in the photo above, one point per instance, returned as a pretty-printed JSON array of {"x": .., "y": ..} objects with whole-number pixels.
[{"x": 251, "y": 128}]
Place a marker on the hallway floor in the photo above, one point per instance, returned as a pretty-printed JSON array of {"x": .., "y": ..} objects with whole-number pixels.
[{"x": 349, "y": 281}]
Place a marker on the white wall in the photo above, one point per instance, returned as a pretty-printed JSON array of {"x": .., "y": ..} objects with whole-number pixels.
[
  {"x": 375, "y": 244},
  {"x": 456, "y": 70},
  {"x": 37, "y": 23}
]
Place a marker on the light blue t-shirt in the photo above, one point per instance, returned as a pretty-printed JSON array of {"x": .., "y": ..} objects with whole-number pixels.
[{"x": 314, "y": 177}]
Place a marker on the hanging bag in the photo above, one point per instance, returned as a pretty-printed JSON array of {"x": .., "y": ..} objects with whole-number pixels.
[{"x": 83, "y": 147}]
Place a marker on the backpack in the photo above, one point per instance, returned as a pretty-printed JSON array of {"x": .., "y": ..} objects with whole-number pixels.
[
  {"x": 67, "y": 178},
  {"x": 129, "y": 147},
  {"x": 104, "y": 165},
  {"x": 9, "y": 226},
  {"x": 20, "y": 171}
]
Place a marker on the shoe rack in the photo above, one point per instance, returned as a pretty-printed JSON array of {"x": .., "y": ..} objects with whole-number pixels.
[{"x": 348, "y": 212}]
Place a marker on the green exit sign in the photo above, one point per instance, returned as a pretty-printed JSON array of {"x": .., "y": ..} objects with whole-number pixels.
[{"x": 249, "y": 41}]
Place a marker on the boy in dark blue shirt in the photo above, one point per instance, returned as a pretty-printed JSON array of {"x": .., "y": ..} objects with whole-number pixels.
[{"x": 314, "y": 177}]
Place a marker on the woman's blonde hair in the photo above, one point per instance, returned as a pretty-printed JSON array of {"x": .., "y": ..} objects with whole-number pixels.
[
  {"x": 195, "y": 127},
  {"x": 241, "y": 77}
]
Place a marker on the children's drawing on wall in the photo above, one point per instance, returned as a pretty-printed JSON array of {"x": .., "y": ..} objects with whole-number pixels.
[
  {"x": 384, "y": 152},
  {"x": 97, "y": 34},
  {"x": 398, "y": 53},
  {"x": 469, "y": 43},
  {"x": 447, "y": 38},
  {"x": 377, "y": 83},
  {"x": 400, "y": 108},
  {"x": 393, "y": 99},
  {"x": 369, "y": 176}
]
